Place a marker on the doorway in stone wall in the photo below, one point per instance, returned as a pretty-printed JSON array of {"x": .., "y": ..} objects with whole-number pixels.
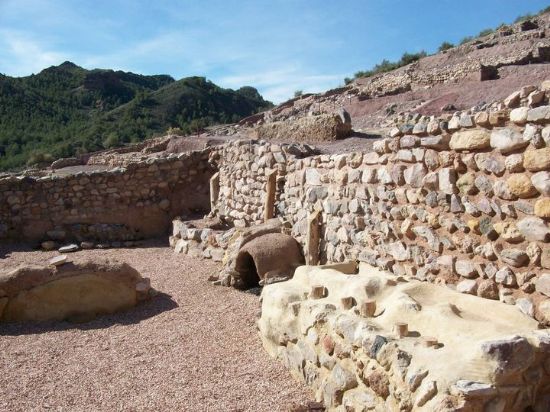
[{"x": 246, "y": 266}]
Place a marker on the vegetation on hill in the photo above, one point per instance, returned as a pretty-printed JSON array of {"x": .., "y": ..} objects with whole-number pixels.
[
  {"x": 66, "y": 110},
  {"x": 387, "y": 66},
  {"x": 408, "y": 58}
]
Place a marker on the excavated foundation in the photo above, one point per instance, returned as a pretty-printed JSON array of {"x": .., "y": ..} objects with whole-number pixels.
[{"x": 375, "y": 341}]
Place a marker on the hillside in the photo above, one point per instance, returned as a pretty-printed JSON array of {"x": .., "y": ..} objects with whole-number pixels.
[
  {"x": 474, "y": 74},
  {"x": 65, "y": 110}
]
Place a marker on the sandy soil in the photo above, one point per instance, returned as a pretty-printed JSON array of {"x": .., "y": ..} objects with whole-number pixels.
[{"x": 194, "y": 347}]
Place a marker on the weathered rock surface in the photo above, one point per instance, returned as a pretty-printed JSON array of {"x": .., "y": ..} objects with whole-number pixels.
[
  {"x": 74, "y": 290},
  {"x": 364, "y": 360}
]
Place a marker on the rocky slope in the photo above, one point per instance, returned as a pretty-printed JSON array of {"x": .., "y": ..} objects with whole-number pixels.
[{"x": 477, "y": 73}]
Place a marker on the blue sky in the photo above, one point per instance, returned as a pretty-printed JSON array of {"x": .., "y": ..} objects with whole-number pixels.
[{"x": 277, "y": 46}]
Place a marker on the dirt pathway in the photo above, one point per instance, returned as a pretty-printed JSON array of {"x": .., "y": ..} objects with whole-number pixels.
[{"x": 193, "y": 348}]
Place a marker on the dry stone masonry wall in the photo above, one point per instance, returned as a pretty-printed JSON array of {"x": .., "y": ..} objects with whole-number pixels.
[
  {"x": 244, "y": 167},
  {"x": 464, "y": 202},
  {"x": 138, "y": 200}
]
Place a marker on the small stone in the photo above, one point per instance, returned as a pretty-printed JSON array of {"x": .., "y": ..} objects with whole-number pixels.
[
  {"x": 534, "y": 229},
  {"x": 506, "y": 277},
  {"x": 379, "y": 384},
  {"x": 414, "y": 174},
  {"x": 543, "y": 284},
  {"x": 542, "y": 208},
  {"x": 539, "y": 114},
  {"x": 519, "y": 115},
  {"x": 58, "y": 260},
  {"x": 507, "y": 140},
  {"x": 482, "y": 119},
  {"x": 536, "y": 160},
  {"x": 468, "y": 286},
  {"x": 426, "y": 392},
  {"x": 466, "y": 184},
  {"x": 447, "y": 180},
  {"x": 541, "y": 181},
  {"x": 488, "y": 289},
  {"x": 520, "y": 185},
  {"x": 526, "y": 306},
  {"x": 466, "y": 268},
  {"x": 484, "y": 185},
  {"x": 456, "y": 205},
  {"x": 68, "y": 248},
  {"x": 509, "y": 232},
  {"x": 514, "y": 257},
  {"x": 343, "y": 378},
  {"x": 514, "y": 163},
  {"x": 503, "y": 191},
  {"x": 471, "y": 389},
  {"x": 87, "y": 245},
  {"x": 466, "y": 120},
  {"x": 511, "y": 356},
  {"x": 513, "y": 100},
  {"x": 535, "y": 98},
  {"x": 48, "y": 245},
  {"x": 487, "y": 229}
]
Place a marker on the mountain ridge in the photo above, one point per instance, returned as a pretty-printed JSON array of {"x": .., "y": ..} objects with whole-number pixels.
[{"x": 66, "y": 110}]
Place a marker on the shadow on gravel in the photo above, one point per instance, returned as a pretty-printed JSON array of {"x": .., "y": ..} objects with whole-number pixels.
[
  {"x": 162, "y": 302},
  {"x": 366, "y": 135}
]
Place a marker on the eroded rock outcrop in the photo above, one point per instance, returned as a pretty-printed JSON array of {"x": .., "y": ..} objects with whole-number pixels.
[
  {"x": 375, "y": 341},
  {"x": 70, "y": 291}
]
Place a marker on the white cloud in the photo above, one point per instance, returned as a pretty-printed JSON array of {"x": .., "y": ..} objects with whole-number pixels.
[
  {"x": 25, "y": 55},
  {"x": 280, "y": 85}
]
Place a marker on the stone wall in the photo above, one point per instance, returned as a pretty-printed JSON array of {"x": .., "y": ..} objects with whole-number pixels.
[
  {"x": 475, "y": 216},
  {"x": 142, "y": 197},
  {"x": 464, "y": 202},
  {"x": 244, "y": 167}
]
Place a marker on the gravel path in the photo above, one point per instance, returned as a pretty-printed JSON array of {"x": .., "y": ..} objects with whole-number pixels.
[{"x": 194, "y": 347}]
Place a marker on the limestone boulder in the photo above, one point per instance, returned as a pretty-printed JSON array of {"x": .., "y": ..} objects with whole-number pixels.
[
  {"x": 507, "y": 140},
  {"x": 70, "y": 291},
  {"x": 470, "y": 140}
]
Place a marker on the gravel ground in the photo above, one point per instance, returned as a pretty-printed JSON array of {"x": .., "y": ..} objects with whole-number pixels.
[{"x": 194, "y": 347}]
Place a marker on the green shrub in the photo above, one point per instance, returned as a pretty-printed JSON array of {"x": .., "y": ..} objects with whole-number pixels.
[
  {"x": 466, "y": 40},
  {"x": 298, "y": 93},
  {"x": 485, "y": 32},
  {"x": 37, "y": 158},
  {"x": 527, "y": 16},
  {"x": 445, "y": 46}
]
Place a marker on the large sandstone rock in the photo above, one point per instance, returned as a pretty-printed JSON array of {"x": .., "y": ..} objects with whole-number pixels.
[
  {"x": 324, "y": 127},
  {"x": 470, "y": 140},
  {"x": 343, "y": 349},
  {"x": 73, "y": 291}
]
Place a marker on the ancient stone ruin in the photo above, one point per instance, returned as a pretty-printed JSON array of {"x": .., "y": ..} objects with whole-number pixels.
[{"x": 434, "y": 289}]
